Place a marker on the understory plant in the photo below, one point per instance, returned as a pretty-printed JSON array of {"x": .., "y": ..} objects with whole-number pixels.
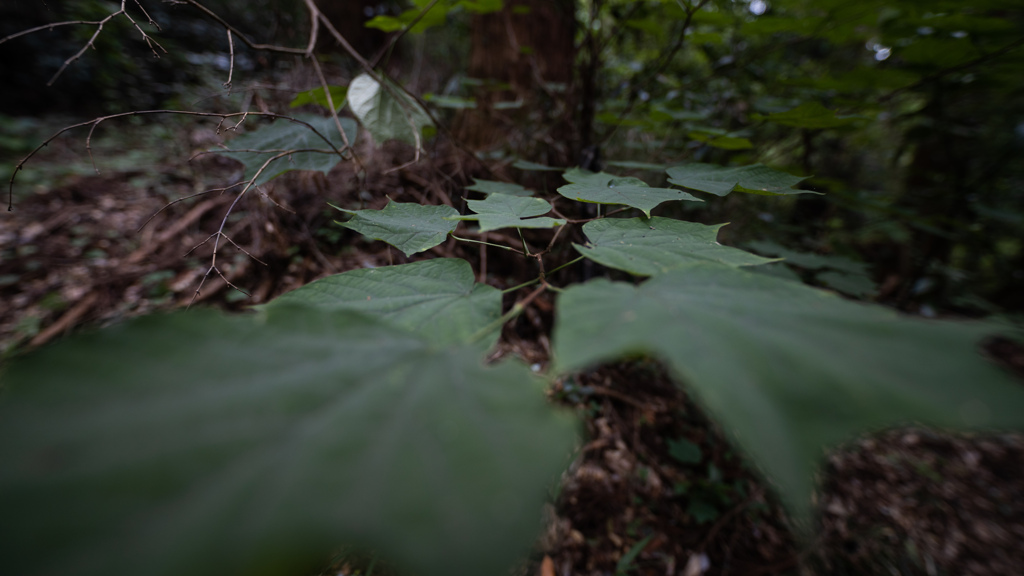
[{"x": 359, "y": 409}]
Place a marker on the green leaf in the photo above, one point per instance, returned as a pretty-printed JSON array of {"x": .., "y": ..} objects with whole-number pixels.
[
  {"x": 257, "y": 444},
  {"x": 486, "y": 6},
  {"x": 385, "y": 23},
  {"x": 722, "y": 142},
  {"x": 684, "y": 451},
  {"x": 810, "y": 260},
  {"x": 437, "y": 299},
  {"x": 719, "y": 180},
  {"x": 702, "y": 511},
  {"x": 505, "y": 211},
  {"x": 407, "y": 226},
  {"x": 602, "y": 188},
  {"x": 452, "y": 102},
  {"x": 856, "y": 285},
  {"x": 788, "y": 369},
  {"x": 633, "y": 165},
  {"x": 255, "y": 148},
  {"x": 651, "y": 246},
  {"x": 492, "y": 187},
  {"x": 811, "y": 115},
  {"x": 533, "y": 166},
  {"x": 318, "y": 96},
  {"x": 435, "y": 16},
  {"x": 388, "y": 113}
]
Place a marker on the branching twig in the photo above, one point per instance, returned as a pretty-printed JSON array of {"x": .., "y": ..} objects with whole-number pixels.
[
  {"x": 182, "y": 199},
  {"x": 99, "y": 24},
  {"x": 238, "y": 33},
  {"x": 216, "y": 236},
  {"x": 231, "y": 62},
  {"x": 97, "y": 121}
]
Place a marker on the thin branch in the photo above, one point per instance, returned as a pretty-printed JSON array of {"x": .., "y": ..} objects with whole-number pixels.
[
  {"x": 509, "y": 248},
  {"x": 96, "y": 121},
  {"x": 516, "y": 310},
  {"x": 149, "y": 19},
  {"x": 245, "y": 39},
  {"x": 953, "y": 69},
  {"x": 216, "y": 236},
  {"x": 382, "y": 79},
  {"x": 334, "y": 109},
  {"x": 244, "y": 251},
  {"x": 153, "y": 44},
  {"x": 231, "y": 62},
  {"x": 182, "y": 199},
  {"x": 50, "y": 27}
]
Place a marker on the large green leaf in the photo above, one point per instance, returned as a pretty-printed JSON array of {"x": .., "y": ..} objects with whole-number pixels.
[
  {"x": 437, "y": 299},
  {"x": 206, "y": 444},
  {"x": 505, "y": 211},
  {"x": 719, "y": 180},
  {"x": 602, "y": 188},
  {"x": 407, "y": 226},
  {"x": 789, "y": 369},
  {"x": 809, "y": 260},
  {"x": 493, "y": 187},
  {"x": 652, "y": 246},
  {"x": 388, "y": 113},
  {"x": 319, "y": 97},
  {"x": 254, "y": 149}
]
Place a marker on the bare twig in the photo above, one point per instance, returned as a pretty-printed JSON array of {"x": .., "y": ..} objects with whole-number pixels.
[
  {"x": 50, "y": 26},
  {"x": 216, "y": 236},
  {"x": 231, "y": 63},
  {"x": 182, "y": 199},
  {"x": 97, "y": 121},
  {"x": 954, "y": 69},
  {"x": 238, "y": 33},
  {"x": 99, "y": 24},
  {"x": 334, "y": 109}
]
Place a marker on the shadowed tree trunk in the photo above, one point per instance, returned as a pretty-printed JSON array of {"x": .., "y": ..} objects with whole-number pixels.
[{"x": 524, "y": 57}]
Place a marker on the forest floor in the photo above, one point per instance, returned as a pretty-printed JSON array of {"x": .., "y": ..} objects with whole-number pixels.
[{"x": 655, "y": 488}]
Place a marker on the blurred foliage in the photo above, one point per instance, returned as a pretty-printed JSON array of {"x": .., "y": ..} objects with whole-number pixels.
[{"x": 908, "y": 114}]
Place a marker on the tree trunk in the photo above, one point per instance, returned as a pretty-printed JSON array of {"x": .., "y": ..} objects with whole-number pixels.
[{"x": 524, "y": 54}]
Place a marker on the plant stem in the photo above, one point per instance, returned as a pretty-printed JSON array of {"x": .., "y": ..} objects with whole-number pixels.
[
  {"x": 523, "y": 285},
  {"x": 509, "y": 248},
  {"x": 567, "y": 264},
  {"x": 516, "y": 310}
]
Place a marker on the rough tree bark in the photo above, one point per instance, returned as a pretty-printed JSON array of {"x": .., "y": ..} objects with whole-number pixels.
[{"x": 524, "y": 53}]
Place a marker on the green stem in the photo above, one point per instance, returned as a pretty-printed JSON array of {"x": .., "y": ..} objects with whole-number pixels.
[
  {"x": 487, "y": 243},
  {"x": 569, "y": 263},
  {"x": 516, "y": 310},
  {"x": 523, "y": 285},
  {"x": 526, "y": 249},
  {"x": 538, "y": 279}
]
